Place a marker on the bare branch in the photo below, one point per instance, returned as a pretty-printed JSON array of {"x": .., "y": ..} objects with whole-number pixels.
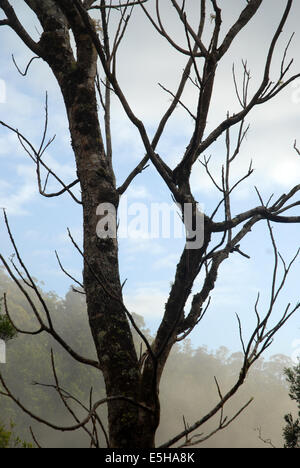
[
  {"x": 224, "y": 423},
  {"x": 66, "y": 273},
  {"x": 161, "y": 30},
  {"x": 259, "y": 341},
  {"x": 67, "y": 406},
  {"x": 143, "y": 164},
  {"x": 295, "y": 147},
  {"x": 103, "y": 283},
  {"x": 75, "y": 427},
  {"x": 179, "y": 102},
  {"x": 197, "y": 145},
  {"x": 111, "y": 7},
  {"x": 34, "y": 438},
  {"x": 27, "y": 67},
  {"x": 43, "y": 327},
  {"x": 262, "y": 211},
  {"x": 21, "y": 331},
  {"x": 244, "y": 18},
  {"x": 14, "y": 23},
  {"x": 138, "y": 170},
  {"x": 36, "y": 156},
  {"x": 161, "y": 166},
  {"x": 196, "y": 36},
  {"x": 265, "y": 441}
]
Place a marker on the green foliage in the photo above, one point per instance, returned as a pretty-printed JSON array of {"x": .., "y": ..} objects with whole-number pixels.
[
  {"x": 7, "y": 437},
  {"x": 4, "y": 437},
  {"x": 9, "y": 440},
  {"x": 293, "y": 378},
  {"x": 7, "y": 331},
  {"x": 291, "y": 431}
]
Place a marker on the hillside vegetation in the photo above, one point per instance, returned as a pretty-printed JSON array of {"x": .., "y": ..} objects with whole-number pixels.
[{"x": 188, "y": 387}]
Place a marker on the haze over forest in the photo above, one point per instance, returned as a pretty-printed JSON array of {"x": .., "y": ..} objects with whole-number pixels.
[{"x": 188, "y": 387}]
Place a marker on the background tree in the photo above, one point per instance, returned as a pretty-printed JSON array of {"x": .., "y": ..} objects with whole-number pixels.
[
  {"x": 7, "y": 437},
  {"x": 291, "y": 431},
  {"x": 9, "y": 440},
  {"x": 7, "y": 330},
  {"x": 132, "y": 380}
]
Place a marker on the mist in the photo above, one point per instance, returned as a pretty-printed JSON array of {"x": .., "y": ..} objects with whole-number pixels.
[{"x": 188, "y": 388}]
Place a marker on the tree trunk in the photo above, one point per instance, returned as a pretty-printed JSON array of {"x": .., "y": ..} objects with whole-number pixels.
[{"x": 130, "y": 426}]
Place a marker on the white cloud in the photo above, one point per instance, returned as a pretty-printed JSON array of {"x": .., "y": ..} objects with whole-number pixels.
[
  {"x": 15, "y": 201},
  {"x": 9, "y": 145},
  {"x": 167, "y": 262},
  {"x": 125, "y": 137},
  {"x": 76, "y": 233},
  {"x": 148, "y": 55},
  {"x": 62, "y": 169},
  {"x": 32, "y": 234},
  {"x": 139, "y": 192},
  {"x": 147, "y": 301},
  {"x": 142, "y": 245},
  {"x": 286, "y": 173}
]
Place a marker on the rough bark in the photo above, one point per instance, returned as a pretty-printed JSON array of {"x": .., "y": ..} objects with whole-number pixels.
[{"x": 129, "y": 424}]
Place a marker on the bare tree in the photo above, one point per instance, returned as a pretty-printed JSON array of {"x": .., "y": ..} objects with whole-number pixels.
[{"x": 132, "y": 381}]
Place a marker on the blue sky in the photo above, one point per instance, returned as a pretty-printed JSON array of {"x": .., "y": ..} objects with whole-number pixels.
[{"x": 40, "y": 224}]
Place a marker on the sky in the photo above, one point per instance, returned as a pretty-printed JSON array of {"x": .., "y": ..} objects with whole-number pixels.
[{"x": 40, "y": 224}]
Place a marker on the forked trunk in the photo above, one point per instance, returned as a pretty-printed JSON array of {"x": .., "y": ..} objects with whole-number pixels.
[
  {"x": 133, "y": 412},
  {"x": 130, "y": 426}
]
